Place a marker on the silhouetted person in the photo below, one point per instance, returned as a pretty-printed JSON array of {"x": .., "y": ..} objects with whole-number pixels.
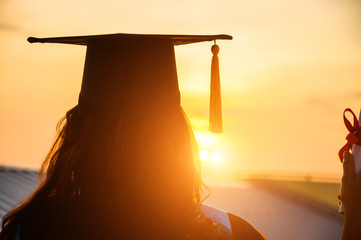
[{"x": 125, "y": 163}]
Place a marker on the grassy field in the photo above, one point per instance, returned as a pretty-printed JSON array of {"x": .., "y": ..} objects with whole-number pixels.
[{"x": 322, "y": 192}]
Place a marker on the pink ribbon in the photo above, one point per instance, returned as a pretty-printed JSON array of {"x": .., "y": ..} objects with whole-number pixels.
[{"x": 354, "y": 137}]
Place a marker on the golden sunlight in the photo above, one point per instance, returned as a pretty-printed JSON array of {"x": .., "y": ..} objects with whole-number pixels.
[
  {"x": 203, "y": 154},
  {"x": 211, "y": 147},
  {"x": 207, "y": 140},
  {"x": 217, "y": 157}
]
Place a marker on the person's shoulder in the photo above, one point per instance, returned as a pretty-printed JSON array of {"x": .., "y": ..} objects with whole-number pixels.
[{"x": 241, "y": 229}]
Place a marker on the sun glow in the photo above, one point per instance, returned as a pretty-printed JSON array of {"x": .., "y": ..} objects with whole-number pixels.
[
  {"x": 214, "y": 157},
  {"x": 210, "y": 146},
  {"x": 207, "y": 140},
  {"x": 217, "y": 157},
  {"x": 203, "y": 155}
]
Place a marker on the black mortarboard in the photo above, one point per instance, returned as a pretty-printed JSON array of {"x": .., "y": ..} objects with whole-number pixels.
[{"x": 136, "y": 74}]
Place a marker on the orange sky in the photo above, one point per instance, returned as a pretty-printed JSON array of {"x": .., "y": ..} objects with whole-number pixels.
[{"x": 291, "y": 69}]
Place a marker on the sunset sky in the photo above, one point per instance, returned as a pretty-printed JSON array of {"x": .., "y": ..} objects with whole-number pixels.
[{"x": 288, "y": 74}]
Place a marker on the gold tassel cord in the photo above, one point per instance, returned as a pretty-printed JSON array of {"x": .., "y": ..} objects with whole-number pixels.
[{"x": 215, "y": 106}]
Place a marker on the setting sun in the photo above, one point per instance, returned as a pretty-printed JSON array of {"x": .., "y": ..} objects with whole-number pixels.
[
  {"x": 207, "y": 140},
  {"x": 212, "y": 149},
  {"x": 203, "y": 155},
  {"x": 214, "y": 157},
  {"x": 217, "y": 158}
]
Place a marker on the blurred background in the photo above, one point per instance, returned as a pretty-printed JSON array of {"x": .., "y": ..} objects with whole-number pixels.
[{"x": 288, "y": 74}]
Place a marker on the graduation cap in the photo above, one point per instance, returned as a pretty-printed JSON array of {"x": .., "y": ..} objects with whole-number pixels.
[{"x": 135, "y": 74}]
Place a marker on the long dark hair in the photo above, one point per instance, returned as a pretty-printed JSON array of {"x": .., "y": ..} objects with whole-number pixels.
[{"x": 117, "y": 179}]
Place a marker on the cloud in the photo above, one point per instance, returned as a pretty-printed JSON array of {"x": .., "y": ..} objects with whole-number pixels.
[
  {"x": 318, "y": 101},
  {"x": 7, "y": 27},
  {"x": 331, "y": 100},
  {"x": 333, "y": 104},
  {"x": 356, "y": 94}
]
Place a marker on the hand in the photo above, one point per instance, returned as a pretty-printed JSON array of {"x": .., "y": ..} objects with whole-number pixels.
[
  {"x": 351, "y": 186},
  {"x": 351, "y": 199}
]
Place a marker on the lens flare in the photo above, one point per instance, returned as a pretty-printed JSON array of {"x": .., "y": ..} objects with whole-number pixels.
[
  {"x": 217, "y": 157},
  {"x": 203, "y": 155}
]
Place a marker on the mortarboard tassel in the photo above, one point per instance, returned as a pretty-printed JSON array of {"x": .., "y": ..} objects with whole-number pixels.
[{"x": 215, "y": 107}]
